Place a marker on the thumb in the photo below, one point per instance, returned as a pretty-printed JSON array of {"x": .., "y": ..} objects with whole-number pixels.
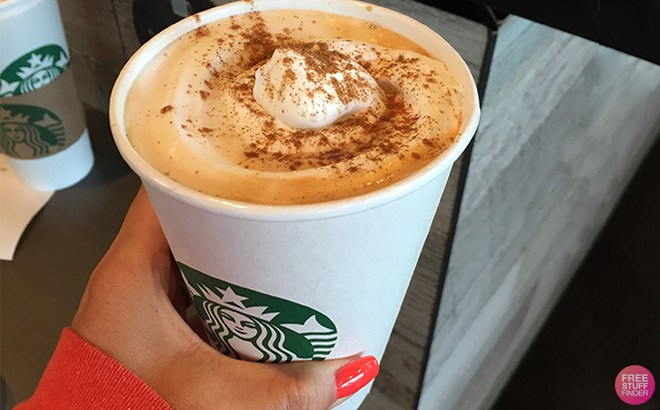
[{"x": 326, "y": 384}]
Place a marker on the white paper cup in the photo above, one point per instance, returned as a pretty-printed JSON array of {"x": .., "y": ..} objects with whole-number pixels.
[
  {"x": 307, "y": 281},
  {"x": 42, "y": 125}
]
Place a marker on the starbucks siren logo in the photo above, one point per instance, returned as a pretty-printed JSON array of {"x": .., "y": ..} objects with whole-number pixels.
[
  {"x": 29, "y": 132},
  {"x": 251, "y": 325},
  {"x": 33, "y": 70}
]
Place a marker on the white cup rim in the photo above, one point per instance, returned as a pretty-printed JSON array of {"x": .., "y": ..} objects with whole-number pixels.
[{"x": 321, "y": 210}]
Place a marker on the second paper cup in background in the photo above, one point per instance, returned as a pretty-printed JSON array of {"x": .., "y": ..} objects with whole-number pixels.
[
  {"x": 304, "y": 282},
  {"x": 42, "y": 126}
]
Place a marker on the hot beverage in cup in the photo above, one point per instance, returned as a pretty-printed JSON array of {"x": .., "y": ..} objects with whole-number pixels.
[{"x": 295, "y": 153}]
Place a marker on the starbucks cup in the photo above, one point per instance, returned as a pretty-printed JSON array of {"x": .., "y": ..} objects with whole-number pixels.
[
  {"x": 299, "y": 282},
  {"x": 42, "y": 126}
]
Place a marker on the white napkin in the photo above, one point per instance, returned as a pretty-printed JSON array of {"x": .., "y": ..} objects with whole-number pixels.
[{"x": 18, "y": 205}]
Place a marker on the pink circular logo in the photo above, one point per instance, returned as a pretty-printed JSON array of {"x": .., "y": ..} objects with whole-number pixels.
[{"x": 634, "y": 385}]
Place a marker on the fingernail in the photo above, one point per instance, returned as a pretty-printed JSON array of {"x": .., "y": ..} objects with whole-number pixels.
[{"x": 352, "y": 377}]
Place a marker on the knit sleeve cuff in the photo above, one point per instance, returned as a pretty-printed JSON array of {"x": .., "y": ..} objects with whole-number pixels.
[{"x": 80, "y": 376}]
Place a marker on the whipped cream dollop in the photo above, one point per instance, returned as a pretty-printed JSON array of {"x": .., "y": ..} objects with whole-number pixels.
[{"x": 311, "y": 86}]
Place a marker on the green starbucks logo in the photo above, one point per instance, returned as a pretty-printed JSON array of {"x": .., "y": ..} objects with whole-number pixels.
[
  {"x": 33, "y": 70},
  {"x": 251, "y": 325},
  {"x": 27, "y": 131}
]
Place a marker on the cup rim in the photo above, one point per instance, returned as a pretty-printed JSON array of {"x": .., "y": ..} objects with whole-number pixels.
[{"x": 245, "y": 210}]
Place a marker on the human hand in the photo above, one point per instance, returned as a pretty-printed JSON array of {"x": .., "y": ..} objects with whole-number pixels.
[{"x": 132, "y": 310}]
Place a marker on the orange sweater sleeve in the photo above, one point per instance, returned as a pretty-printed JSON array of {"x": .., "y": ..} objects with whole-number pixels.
[{"x": 80, "y": 376}]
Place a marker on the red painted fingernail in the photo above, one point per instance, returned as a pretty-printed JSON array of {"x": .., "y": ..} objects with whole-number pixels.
[{"x": 355, "y": 375}]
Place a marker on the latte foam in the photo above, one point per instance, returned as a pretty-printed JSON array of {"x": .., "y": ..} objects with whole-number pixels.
[{"x": 292, "y": 107}]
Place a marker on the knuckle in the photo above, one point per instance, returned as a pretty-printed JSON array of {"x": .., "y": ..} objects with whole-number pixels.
[{"x": 301, "y": 395}]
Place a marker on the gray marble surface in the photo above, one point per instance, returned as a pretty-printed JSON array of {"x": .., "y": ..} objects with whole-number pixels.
[{"x": 565, "y": 123}]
